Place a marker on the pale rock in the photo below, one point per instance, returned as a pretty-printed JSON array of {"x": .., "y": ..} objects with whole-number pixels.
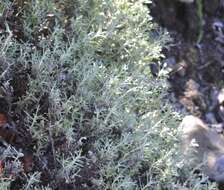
[{"x": 209, "y": 149}]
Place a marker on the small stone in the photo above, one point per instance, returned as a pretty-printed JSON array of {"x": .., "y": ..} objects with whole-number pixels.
[
  {"x": 221, "y": 97},
  {"x": 221, "y": 112},
  {"x": 218, "y": 29},
  {"x": 218, "y": 127},
  {"x": 50, "y": 15}
]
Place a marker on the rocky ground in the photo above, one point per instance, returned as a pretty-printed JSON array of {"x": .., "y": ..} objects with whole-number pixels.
[{"x": 195, "y": 57}]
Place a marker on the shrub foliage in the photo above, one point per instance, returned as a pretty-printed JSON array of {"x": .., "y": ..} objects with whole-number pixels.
[{"x": 97, "y": 118}]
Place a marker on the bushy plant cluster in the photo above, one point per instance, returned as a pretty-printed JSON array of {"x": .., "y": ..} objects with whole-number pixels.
[{"x": 98, "y": 118}]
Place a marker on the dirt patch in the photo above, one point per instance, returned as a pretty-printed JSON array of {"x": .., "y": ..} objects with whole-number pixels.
[{"x": 197, "y": 68}]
